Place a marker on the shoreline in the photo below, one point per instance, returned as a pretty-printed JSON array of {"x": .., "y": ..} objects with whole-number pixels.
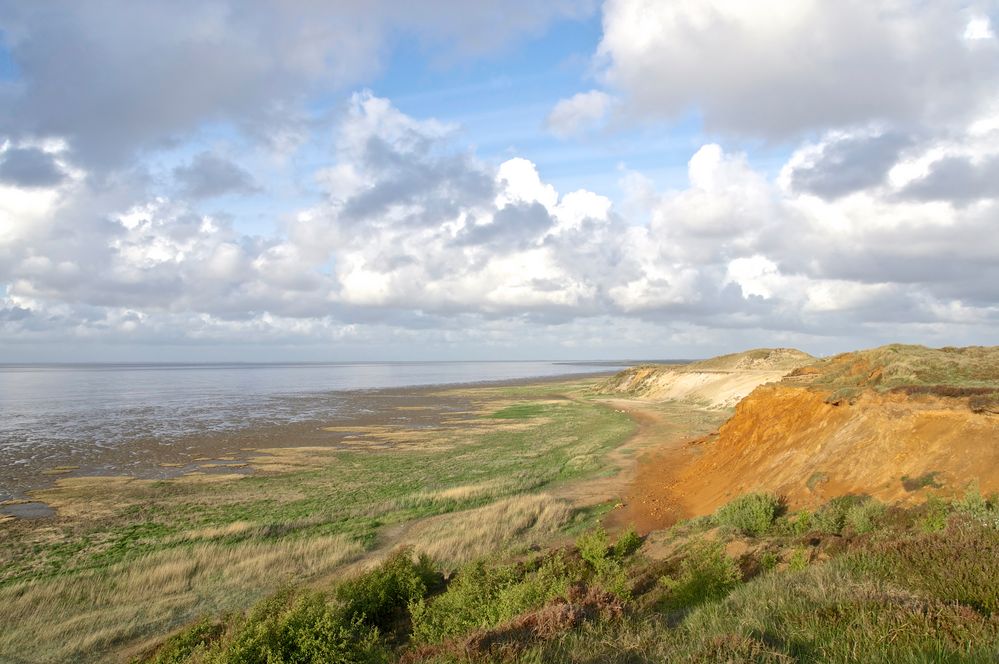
[{"x": 233, "y": 450}]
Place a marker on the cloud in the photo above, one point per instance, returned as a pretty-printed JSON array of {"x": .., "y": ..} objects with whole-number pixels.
[
  {"x": 958, "y": 179},
  {"x": 209, "y": 175},
  {"x": 780, "y": 69},
  {"x": 30, "y": 167},
  {"x": 579, "y": 113},
  {"x": 417, "y": 239},
  {"x": 846, "y": 163},
  {"x": 114, "y": 78}
]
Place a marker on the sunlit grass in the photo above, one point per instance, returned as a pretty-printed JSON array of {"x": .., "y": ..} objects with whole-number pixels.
[{"x": 134, "y": 558}]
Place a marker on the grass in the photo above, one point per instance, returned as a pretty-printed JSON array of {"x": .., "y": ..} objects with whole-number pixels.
[
  {"x": 890, "y": 594},
  {"x": 131, "y": 559},
  {"x": 957, "y": 372}
]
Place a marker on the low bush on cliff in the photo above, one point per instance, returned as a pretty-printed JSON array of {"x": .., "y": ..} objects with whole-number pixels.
[
  {"x": 705, "y": 574},
  {"x": 752, "y": 514}
]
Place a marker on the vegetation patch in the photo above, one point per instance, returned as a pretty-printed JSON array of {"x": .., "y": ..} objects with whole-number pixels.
[
  {"x": 706, "y": 574},
  {"x": 752, "y": 514},
  {"x": 927, "y": 480},
  {"x": 897, "y": 594},
  {"x": 520, "y": 411}
]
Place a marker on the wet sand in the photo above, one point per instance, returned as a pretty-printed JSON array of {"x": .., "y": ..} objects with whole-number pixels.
[{"x": 367, "y": 418}]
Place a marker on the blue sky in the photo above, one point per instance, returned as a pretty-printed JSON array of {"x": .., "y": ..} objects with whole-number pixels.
[{"x": 501, "y": 179}]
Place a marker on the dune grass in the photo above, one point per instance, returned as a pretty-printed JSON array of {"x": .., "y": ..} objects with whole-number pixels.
[
  {"x": 911, "y": 368},
  {"x": 137, "y": 558}
]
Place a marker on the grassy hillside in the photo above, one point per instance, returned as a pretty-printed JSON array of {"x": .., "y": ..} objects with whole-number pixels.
[
  {"x": 852, "y": 581},
  {"x": 900, "y": 366},
  {"x": 758, "y": 359}
]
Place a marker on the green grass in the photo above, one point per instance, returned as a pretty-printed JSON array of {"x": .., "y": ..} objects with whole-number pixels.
[
  {"x": 890, "y": 594},
  {"x": 910, "y": 368},
  {"x": 353, "y": 496},
  {"x": 520, "y": 411}
]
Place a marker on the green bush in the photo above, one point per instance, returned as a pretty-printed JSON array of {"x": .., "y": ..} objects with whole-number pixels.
[
  {"x": 593, "y": 546},
  {"x": 300, "y": 628},
  {"x": 190, "y": 642},
  {"x": 483, "y": 596},
  {"x": 380, "y": 596},
  {"x": 865, "y": 517},
  {"x": 706, "y": 574},
  {"x": 797, "y": 524},
  {"x": 606, "y": 560},
  {"x": 977, "y": 507},
  {"x": 768, "y": 561},
  {"x": 752, "y": 514},
  {"x": 831, "y": 517},
  {"x": 935, "y": 513},
  {"x": 798, "y": 560},
  {"x": 627, "y": 543}
]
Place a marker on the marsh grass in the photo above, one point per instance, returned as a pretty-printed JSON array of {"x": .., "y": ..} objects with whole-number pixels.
[
  {"x": 517, "y": 522},
  {"x": 155, "y": 554},
  {"x": 72, "y": 617}
]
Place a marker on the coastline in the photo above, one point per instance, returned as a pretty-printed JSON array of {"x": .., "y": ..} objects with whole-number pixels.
[{"x": 233, "y": 450}]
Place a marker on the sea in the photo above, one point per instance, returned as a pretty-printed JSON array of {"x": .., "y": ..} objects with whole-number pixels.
[{"x": 52, "y": 415}]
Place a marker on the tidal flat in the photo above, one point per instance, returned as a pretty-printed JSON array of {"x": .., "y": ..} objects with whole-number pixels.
[{"x": 457, "y": 473}]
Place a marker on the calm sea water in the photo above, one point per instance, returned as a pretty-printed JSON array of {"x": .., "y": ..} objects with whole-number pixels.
[{"x": 47, "y": 411}]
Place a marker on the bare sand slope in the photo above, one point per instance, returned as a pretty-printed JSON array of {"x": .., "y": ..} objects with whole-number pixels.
[
  {"x": 791, "y": 441},
  {"x": 719, "y": 382},
  {"x": 892, "y": 423}
]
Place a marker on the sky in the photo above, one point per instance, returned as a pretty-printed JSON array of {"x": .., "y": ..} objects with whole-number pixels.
[{"x": 255, "y": 180}]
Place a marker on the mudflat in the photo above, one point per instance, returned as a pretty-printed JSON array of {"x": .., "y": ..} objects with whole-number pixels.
[{"x": 221, "y": 521}]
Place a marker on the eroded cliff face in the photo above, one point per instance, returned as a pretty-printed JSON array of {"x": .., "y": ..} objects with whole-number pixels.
[
  {"x": 872, "y": 422},
  {"x": 720, "y": 382},
  {"x": 791, "y": 441}
]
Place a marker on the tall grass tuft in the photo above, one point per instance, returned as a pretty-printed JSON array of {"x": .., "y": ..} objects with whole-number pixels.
[{"x": 752, "y": 514}]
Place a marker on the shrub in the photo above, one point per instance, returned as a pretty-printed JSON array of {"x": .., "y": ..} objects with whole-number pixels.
[
  {"x": 192, "y": 641},
  {"x": 864, "y": 517},
  {"x": 483, "y": 596},
  {"x": 606, "y": 560},
  {"x": 627, "y": 543},
  {"x": 706, "y": 574},
  {"x": 380, "y": 596},
  {"x": 831, "y": 517},
  {"x": 798, "y": 560},
  {"x": 935, "y": 514},
  {"x": 594, "y": 545},
  {"x": 977, "y": 507},
  {"x": 768, "y": 561},
  {"x": 797, "y": 524},
  {"x": 752, "y": 514},
  {"x": 302, "y": 628}
]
